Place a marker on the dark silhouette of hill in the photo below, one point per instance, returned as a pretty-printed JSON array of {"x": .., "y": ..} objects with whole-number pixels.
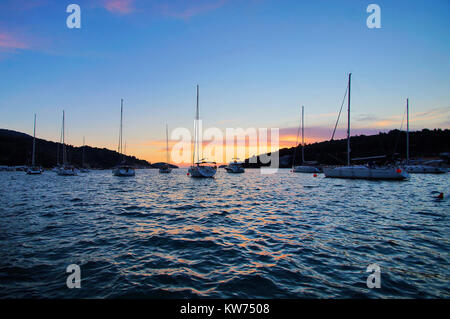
[
  {"x": 16, "y": 149},
  {"x": 392, "y": 145}
]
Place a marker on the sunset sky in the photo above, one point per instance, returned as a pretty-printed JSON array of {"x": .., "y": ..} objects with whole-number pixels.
[{"x": 256, "y": 61}]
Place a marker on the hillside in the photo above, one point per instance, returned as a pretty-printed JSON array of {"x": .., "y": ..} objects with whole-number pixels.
[
  {"x": 392, "y": 145},
  {"x": 16, "y": 149}
]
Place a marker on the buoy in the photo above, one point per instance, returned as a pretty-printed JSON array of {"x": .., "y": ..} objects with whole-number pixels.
[
  {"x": 315, "y": 175},
  {"x": 187, "y": 174},
  {"x": 441, "y": 196},
  {"x": 399, "y": 170}
]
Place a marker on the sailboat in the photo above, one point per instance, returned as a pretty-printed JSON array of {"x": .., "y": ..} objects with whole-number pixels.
[
  {"x": 65, "y": 169},
  {"x": 33, "y": 169},
  {"x": 200, "y": 168},
  {"x": 166, "y": 168},
  {"x": 302, "y": 168},
  {"x": 361, "y": 171},
  {"x": 417, "y": 169},
  {"x": 83, "y": 168},
  {"x": 56, "y": 168},
  {"x": 123, "y": 169},
  {"x": 235, "y": 167}
]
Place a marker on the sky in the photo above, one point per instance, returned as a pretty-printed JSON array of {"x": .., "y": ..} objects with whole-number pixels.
[{"x": 256, "y": 62}]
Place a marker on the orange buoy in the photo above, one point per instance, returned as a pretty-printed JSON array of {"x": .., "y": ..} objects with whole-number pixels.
[
  {"x": 315, "y": 175},
  {"x": 441, "y": 196}
]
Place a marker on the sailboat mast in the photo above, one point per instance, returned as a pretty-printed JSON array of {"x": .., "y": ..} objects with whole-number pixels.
[
  {"x": 167, "y": 144},
  {"x": 82, "y": 156},
  {"x": 197, "y": 119},
  {"x": 348, "y": 128},
  {"x": 303, "y": 134},
  {"x": 407, "y": 131},
  {"x": 63, "y": 139},
  {"x": 121, "y": 120},
  {"x": 34, "y": 142},
  {"x": 57, "y": 149}
]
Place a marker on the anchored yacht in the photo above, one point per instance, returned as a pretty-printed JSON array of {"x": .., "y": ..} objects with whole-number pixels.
[
  {"x": 33, "y": 169},
  {"x": 122, "y": 169},
  {"x": 235, "y": 167},
  {"x": 418, "y": 168},
  {"x": 65, "y": 169},
  {"x": 200, "y": 168},
  {"x": 83, "y": 168},
  {"x": 363, "y": 172},
  {"x": 302, "y": 168}
]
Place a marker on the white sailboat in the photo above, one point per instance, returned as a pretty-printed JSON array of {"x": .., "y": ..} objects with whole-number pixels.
[
  {"x": 360, "y": 171},
  {"x": 65, "y": 169},
  {"x": 418, "y": 168},
  {"x": 123, "y": 169},
  {"x": 200, "y": 168},
  {"x": 235, "y": 167},
  {"x": 83, "y": 168},
  {"x": 165, "y": 169},
  {"x": 302, "y": 168},
  {"x": 33, "y": 169}
]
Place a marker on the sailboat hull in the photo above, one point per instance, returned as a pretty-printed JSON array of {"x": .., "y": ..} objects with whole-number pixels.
[
  {"x": 305, "y": 169},
  {"x": 235, "y": 169},
  {"x": 34, "y": 171},
  {"x": 124, "y": 172},
  {"x": 165, "y": 170},
  {"x": 363, "y": 172},
  {"x": 62, "y": 171},
  {"x": 202, "y": 171}
]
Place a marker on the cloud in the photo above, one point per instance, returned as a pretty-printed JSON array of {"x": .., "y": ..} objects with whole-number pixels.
[
  {"x": 185, "y": 9},
  {"x": 119, "y": 6},
  {"x": 11, "y": 42}
]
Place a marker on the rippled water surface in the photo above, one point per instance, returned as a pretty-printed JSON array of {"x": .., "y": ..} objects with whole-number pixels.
[{"x": 250, "y": 235}]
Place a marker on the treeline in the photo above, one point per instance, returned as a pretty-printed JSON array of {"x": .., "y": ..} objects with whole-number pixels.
[
  {"x": 16, "y": 149},
  {"x": 390, "y": 146}
]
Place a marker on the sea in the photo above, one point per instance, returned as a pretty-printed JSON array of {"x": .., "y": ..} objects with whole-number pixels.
[{"x": 284, "y": 235}]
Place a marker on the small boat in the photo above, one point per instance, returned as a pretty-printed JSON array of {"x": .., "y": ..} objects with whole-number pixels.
[
  {"x": 122, "y": 169},
  {"x": 166, "y": 169},
  {"x": 203, "y": 169},
  {"x": 419, "y": 168},
  {"x": 302, "y": 168},
  {"x": 33, "y": 169},
  {"x": 235, "y": 167},
  {"x": 360, "y": 171},
  {"x": 200, "y": 168},
  {"x": 65, "y": 169}
]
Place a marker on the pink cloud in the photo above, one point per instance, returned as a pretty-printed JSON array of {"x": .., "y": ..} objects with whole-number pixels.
[
  {"x": 119, "y": 6},
  {"x": 11, "y": 42},
  {"x": 185, "y": 9}
]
